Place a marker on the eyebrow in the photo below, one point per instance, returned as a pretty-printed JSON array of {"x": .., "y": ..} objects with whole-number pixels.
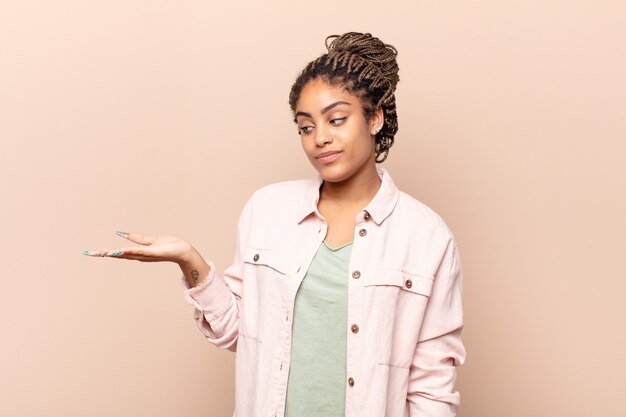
[{"x": 324, "y": 110}]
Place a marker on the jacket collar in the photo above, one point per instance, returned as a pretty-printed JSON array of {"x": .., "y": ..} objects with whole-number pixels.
[{"x": 380, "y": 207}]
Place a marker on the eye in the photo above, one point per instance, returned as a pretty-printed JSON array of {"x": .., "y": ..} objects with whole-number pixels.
[
  {"x": 304, "y": 129},
  {"x": 338, "y": 121}
]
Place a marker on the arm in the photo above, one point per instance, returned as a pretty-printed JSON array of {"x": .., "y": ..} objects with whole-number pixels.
[
  {"x": 195, "y": 269},
  {"x": 216, "y": 297},
  {"x": 439, "y": 348}
]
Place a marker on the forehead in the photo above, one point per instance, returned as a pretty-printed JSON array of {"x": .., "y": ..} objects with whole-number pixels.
[{"x": 318, "y": 94}]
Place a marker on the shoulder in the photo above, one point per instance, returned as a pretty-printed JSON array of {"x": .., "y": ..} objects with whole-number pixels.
[
  {"x": 278, "y": 197},
  {"x": 425, "y": 230},
  {"x": 410, "y": 214},
  {"x": 417, "y": 208},
  {"x": 419, "y": 216},
  {"x": 271, "y": 210}
]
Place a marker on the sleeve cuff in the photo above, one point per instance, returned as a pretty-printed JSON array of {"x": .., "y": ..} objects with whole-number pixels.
[{"x": 211, "y": 297}]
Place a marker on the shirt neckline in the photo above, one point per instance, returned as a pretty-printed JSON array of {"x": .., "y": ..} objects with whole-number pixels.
[{"x": 338, "y": 248}]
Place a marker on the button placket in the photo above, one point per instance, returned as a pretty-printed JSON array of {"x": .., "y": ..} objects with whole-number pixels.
[{"x": 354, "y": 305}]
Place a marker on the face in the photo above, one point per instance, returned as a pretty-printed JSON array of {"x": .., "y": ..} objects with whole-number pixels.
[{"x": 336, "y": 137}]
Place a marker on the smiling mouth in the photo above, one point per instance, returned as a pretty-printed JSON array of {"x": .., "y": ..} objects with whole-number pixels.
[{"x": 328, "y": 157}]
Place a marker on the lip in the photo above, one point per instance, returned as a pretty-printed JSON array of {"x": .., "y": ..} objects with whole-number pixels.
[{"x": 328, "y": 157}]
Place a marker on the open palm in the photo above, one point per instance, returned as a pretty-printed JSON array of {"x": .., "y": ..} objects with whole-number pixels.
[{"x": 151, "y": 249}]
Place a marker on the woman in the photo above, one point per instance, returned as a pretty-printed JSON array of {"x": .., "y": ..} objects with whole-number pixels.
[{"x": 344, "y": 296}]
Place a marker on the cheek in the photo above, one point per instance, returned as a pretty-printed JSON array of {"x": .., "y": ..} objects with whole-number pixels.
[
  {"x": 307, "y": 148},
  {"x": 362, "y": 143},
  {"x": 360, "y": 137}
]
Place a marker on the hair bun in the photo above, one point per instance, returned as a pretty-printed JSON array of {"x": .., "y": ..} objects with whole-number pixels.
[{"x": 369, "y": 48}]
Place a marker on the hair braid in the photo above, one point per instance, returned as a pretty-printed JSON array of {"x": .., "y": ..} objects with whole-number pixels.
[{"x": 365, "y": 66}]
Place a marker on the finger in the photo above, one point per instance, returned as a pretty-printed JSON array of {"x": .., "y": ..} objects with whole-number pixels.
[
  {"x": 135, "y": 251},
  {"x": 137, "y": 238},
  {"x": 138, "y": 253},
  {"x": 122, "y": 255},
  {"x": 103, "y": 252},
  {"x": 138, "y": 258},
  {"x": 142, "y": 253},
  {"x": 149, "y": 252},
  {"x": 95, "y": 253}
]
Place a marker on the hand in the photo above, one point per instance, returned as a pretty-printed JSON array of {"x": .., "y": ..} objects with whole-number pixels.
[{"x": 153, "y": 249}]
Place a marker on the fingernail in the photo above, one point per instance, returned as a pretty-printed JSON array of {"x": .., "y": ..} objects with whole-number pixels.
[
  {"x": 86, "y": 252},
  {"x": 114, "y": 254},
  {"x": 122, "y": 234}
]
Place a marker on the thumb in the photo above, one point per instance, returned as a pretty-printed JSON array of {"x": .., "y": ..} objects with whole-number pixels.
[{"x": 137, "y": 237}]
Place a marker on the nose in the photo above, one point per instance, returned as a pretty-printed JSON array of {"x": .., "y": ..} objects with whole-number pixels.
[{"x": 323, "y": 136}]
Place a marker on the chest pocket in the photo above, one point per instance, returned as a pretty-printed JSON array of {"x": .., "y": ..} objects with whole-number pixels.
[
  {"x": 270, "y": 258},
  {"x": 399, "y": 299},
  {"x": 413, "y": 283},
  {"x": 266, "y": 275}
]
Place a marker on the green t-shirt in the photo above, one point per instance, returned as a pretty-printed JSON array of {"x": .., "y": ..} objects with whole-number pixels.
[{"x": 317, "y": 377}]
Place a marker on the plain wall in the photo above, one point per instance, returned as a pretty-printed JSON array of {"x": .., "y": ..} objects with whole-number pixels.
[{"x": 162, "y": 117}]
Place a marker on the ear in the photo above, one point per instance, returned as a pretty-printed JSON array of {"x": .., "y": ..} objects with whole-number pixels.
[{"x": 377, "y": 120}]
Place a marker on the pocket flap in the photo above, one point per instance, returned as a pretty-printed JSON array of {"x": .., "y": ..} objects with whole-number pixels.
[
  {"x": 419, "y": 284},
  {"x": 270, "y": 258}
]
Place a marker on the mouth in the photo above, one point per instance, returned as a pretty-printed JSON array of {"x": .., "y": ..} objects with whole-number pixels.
[{"x": 328, "y": 157}]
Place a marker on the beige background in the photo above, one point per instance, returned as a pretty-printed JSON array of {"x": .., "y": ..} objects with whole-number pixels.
[{"x": 163, "y": 117}]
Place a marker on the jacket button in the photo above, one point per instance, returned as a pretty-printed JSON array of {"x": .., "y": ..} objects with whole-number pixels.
[
  {"x": 355, "y": 328},
  {"x": 356, "y": 274},
  {"x": 366, "y": 216},
  {"x": 256, "y": 257},
  {"x": 408, "y": 283},
  {"x": 362, "y": 232},
  {"x": 351, "y": 381}
]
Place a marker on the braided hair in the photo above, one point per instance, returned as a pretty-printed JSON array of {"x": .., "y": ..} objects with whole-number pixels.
[{"x": 365, "y": 66}]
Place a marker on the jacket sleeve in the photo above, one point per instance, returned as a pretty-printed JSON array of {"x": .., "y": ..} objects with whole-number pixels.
[
  {"x": 217, "y": 299},
  {"x": 439, "y": 348}
]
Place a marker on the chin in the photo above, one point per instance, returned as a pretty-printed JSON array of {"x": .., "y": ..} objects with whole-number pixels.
[{"x": 334, "y": 173}]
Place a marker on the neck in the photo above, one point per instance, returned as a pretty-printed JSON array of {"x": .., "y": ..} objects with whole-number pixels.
[{"x": 358, "y": 190}]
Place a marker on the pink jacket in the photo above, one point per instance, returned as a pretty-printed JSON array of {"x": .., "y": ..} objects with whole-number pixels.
[{"x": 404, "y": 302}]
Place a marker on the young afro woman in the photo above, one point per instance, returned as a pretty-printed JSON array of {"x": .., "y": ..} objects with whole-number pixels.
[{"x": 344, "y": 295}]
